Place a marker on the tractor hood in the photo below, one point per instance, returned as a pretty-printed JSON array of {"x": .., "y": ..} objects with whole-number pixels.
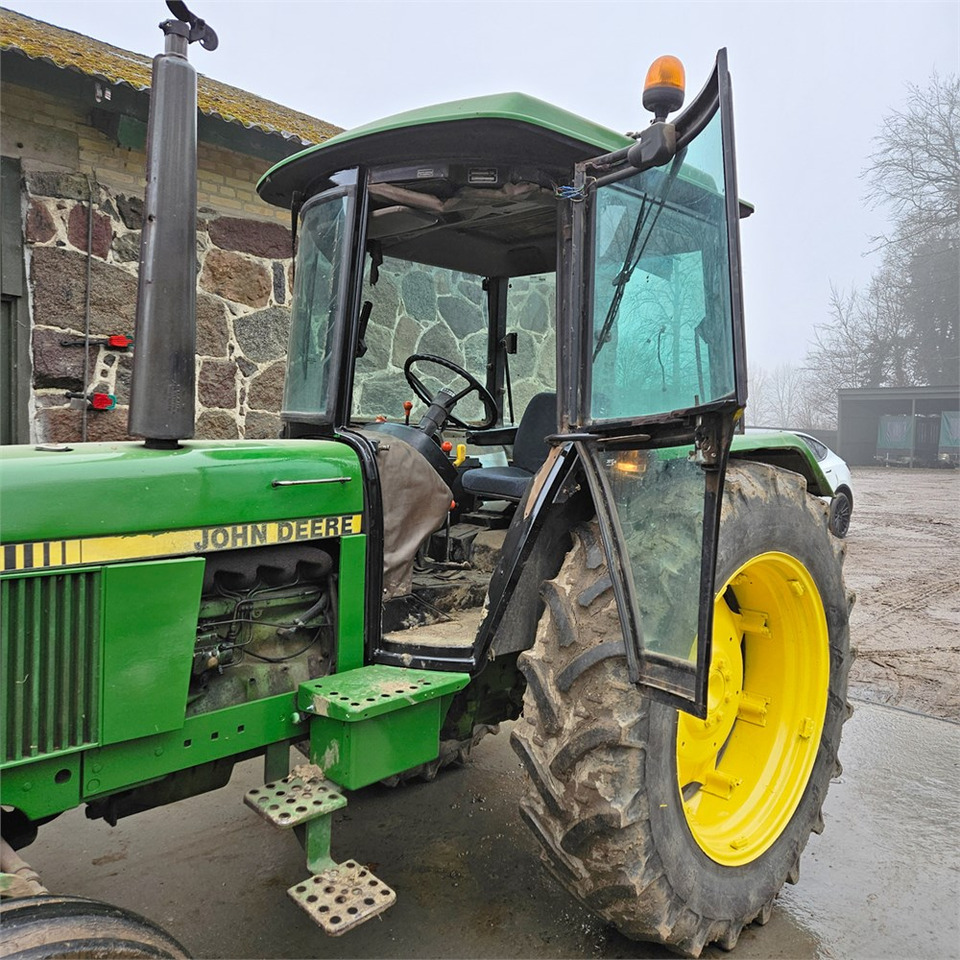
[{"x": 118, "y": 489}]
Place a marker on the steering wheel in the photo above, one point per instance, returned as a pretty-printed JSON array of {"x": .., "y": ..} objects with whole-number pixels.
[{"x": 447, "y": 400}]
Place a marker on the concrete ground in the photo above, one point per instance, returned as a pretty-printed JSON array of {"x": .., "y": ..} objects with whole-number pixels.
[{"x": 880, "y": 882}]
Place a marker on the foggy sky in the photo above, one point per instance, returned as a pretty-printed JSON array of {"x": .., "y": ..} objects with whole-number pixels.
[{"x": 812, "y": 82}]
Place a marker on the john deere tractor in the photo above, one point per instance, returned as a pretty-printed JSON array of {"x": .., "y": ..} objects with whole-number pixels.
[{"x": 510, "y": 487}]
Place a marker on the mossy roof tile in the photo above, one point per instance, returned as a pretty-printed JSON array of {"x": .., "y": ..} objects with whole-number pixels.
[{"x": 68, "y": 50}]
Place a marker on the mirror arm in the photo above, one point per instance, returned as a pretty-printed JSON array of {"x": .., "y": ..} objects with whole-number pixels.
[{"x": 656, "y": 146}]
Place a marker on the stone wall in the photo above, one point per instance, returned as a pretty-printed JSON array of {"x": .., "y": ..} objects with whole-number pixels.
[
  {"x": 419, "y": 309},
  {"x": 532, "y": 314},
  {"x": 72, "y": 171}
]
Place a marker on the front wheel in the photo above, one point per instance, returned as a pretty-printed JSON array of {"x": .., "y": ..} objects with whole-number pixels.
[
  {"x": 48, "y": 927},
  {"x": 676, "y": 830}
]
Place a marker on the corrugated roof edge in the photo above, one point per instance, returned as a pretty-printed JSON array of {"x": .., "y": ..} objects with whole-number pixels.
[{"x": 68, "y": 50}]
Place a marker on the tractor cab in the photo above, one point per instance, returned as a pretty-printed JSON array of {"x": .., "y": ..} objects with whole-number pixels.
[
  {"x": 427, "y": 327},
  {"x": 425, "y": 322},
  {"x": 430, "y": 263}
]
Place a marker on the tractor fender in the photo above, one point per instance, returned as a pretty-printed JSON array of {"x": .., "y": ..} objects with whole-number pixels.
[{"x": 785, "y": 451}]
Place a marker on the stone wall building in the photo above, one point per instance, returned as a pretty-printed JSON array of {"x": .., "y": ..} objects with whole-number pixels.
[{"x": 73, "y": 117}]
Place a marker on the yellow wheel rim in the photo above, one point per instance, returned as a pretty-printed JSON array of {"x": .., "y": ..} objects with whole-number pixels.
[{"x": 742, "y": 771}]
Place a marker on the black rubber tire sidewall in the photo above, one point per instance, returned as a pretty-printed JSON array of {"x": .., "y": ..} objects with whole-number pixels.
[
  {"x": 840, "y": 513},
  {"x": 36, "y": 928},
  {"x": 603, "y": 795}
]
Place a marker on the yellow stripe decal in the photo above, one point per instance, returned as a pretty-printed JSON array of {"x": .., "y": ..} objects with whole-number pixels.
[{"x": 47, "y": 554}]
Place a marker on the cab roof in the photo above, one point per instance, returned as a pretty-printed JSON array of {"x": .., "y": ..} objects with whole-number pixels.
[{"x": 505, "y": 128}]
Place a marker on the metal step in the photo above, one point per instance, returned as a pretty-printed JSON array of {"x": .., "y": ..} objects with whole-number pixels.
[
  {"x": 376, "y": 721},
  {"x": 339, "y": 896},
  {"x": 302, "y": 796},
  {"x": 342, "y": 897}
]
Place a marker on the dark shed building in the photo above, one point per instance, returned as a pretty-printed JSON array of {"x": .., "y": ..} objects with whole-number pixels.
[{"x": 860, "y": 411}]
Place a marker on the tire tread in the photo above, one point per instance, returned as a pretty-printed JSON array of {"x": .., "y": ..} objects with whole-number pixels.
[{"x": 575, "y": 734}]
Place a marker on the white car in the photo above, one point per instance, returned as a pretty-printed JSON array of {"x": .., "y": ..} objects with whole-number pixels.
[{"x": 835, "y": 469}]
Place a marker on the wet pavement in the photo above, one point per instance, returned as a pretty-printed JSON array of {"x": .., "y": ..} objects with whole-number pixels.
[{"x": 882, "y": 881}]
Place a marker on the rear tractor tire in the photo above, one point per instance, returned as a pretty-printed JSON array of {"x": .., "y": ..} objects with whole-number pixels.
[{"x": 676, "y": 830}]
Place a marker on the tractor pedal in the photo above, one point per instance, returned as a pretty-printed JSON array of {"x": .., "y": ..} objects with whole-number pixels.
[
  {"x": 302, "y": 796},
  {"x": 342, "y": 897}
]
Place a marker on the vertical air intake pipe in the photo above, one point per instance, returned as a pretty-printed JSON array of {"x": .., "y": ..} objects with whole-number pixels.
[{"x": 164, "y": 378}]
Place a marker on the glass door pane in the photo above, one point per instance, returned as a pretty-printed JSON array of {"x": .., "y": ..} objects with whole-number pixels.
[
  {"x": 661, "y": 304},
  {"x": 658, "y": 496}
]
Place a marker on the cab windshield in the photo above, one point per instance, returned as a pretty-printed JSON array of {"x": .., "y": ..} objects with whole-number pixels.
[
  {"x": 319, "y": 294},
  {"x": 662, "y": 314}
]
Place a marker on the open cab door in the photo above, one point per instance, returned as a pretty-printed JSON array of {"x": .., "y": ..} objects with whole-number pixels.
[{"x": 653, "y": 379}]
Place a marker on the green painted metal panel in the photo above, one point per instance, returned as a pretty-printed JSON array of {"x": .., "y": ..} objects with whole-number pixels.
[
  {"x": 131, "y": 133},
  {"x": 782, "y": 449},
  {"x": 50, "y": 656},
  {"x": 355, "y": 755},
  {"x": 376, "y": 721},
  {"x": 44, "y": 787},
  {"x": 97, "y": 489},
  {"x": 209, "y": 736},
  {"x": 15, "y": 326},
  {"x": 352, "y": 586},
  {"x": 550, "y": 136},
  {"x": 11, "y": 235},
  {"x": 149, "y": 632},
  {"x": 358, "y": 695},
  {"x": 501, "y": 106}
]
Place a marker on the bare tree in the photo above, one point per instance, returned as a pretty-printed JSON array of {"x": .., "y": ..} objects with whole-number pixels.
[
  {"x": 788, "y": 404},
  {"x": 903, "y": 329},
  {"x": 916, "y": 169},
  {"x": 886, "y": 330},
  {"x": 783, "y": 398},
  {"x": 758, "y": 397},
  {"x": 836, "y": 356}
]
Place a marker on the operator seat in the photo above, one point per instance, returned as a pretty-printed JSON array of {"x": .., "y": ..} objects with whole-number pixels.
[{"x": 530, "y": 449}]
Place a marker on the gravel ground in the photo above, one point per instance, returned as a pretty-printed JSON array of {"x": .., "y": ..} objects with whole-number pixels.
[{"x": 903, "y": 561}]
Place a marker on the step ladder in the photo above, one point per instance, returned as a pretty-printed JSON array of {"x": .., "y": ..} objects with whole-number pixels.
[
  {"x": 339, "y": 896},
  {"x": 366, "y": 724}
]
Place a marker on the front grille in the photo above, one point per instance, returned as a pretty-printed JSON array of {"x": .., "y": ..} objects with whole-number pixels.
[{"x": 49, "y": 651}]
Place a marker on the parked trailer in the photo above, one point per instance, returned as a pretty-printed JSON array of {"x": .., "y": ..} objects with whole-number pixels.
[
  {"x": 948, "y": 450},
  {"x": 904, "y": 440}
]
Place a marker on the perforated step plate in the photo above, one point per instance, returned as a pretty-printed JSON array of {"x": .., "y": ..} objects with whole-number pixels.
[
  {"x": 343, "y": 897},
  {"x": 374, "y": 690},
  {"x": 295, "y": 799}
]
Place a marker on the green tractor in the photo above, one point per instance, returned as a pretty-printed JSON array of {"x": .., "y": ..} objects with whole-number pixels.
[{"x": 510, "y": 487}]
